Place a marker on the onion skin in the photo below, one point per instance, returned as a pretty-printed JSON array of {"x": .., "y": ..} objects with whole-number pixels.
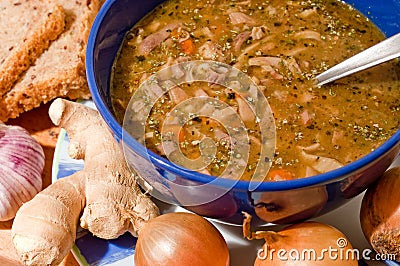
[
  {"x": 380, "y": 214},
  {"x": 302, "y": 238},
  {"x": 175, "y": 239},
  {"x": 21, "y": 167}
]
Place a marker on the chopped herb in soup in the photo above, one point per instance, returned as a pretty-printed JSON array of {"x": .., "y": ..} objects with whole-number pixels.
[{"x": 281, "y": 46}]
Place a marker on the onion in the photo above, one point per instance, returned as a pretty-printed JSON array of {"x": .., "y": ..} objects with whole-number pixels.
[
  {"x": 306, "y": 243},
  {"x": 21, "y": 166},
  {"x": 380, "y": 214},
  {"x": 180, "y": 239}
]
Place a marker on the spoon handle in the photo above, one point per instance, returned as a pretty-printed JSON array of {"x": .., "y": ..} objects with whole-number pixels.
[{"x": 379, "y": 53}]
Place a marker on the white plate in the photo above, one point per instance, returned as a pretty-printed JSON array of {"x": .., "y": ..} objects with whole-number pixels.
[{"x": 90, "y": 250}]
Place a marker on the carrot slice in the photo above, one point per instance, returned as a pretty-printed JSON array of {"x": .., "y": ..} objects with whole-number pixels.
[
  {"x": 187, "y": 47},
  {"x": 280, "y": 175},
  {"x": 181, "y": 136}
]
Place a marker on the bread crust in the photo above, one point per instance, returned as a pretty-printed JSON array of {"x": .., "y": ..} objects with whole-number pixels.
[
  {"x": 60, "y": 70},
  {"x": 31, "y": 46}
]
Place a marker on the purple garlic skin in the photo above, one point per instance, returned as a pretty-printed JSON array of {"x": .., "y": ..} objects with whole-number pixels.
[{"x": 21, "y": 165}]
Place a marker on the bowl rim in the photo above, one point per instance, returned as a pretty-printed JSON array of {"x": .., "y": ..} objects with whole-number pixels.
[{"x": 119, "y": 132}]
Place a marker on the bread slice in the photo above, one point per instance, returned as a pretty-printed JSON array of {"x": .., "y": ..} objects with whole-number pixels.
[
  {"x": 60, "y": 70},
  {"x": 35, "y": 31}
]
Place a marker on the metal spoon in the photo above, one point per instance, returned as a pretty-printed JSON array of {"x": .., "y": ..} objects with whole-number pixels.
[{"x": 379, "y": 53}]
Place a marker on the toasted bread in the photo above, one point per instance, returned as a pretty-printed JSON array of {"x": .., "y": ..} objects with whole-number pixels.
[
  {"x": 60, "y": 70},
  {"x": 41, "y": 25}
]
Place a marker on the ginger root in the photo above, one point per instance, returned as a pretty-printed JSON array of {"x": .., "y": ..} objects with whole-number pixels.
[{"x": 44, "y": 228}]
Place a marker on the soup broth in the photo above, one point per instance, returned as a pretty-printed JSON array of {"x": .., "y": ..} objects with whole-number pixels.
[{"x": 281, "y": 46}]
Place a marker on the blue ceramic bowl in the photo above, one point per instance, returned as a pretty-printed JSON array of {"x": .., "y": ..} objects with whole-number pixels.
[{"x": 270, "y": 202}]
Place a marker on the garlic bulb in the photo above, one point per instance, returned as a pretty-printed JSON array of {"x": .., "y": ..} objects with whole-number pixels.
[{"x": 21, "y": 167}]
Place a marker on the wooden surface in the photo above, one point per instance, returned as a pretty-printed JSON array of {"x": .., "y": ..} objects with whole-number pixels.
[{"x": 39, "y": 125}]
